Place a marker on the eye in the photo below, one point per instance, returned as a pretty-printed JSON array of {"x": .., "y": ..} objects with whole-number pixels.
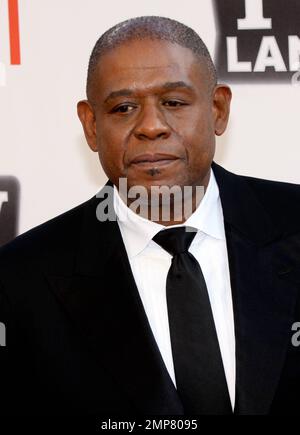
[
  {"x": 123, "y": 108},
  {"x": 174, "y": 103}
]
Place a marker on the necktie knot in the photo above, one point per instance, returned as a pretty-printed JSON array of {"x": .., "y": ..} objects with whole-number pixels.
[{"x": 175, "y": 240}]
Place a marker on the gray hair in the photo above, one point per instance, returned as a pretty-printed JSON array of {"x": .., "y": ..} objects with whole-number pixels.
[{"x": 149, "y": 27}]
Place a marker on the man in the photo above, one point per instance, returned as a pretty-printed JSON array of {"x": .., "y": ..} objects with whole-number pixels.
[{"x": 89, "y": 327}]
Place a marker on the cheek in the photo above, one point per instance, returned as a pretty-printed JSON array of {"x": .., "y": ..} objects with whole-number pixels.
[
  {"x": 199, "y": 139},
  {"x": 198, "y": 125},
  {"x": 200, "y": 142},
  {"x": 111, "y": 153}
]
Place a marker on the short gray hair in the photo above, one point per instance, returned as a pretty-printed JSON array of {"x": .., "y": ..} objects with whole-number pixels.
[{"x": 149, "y": 27}]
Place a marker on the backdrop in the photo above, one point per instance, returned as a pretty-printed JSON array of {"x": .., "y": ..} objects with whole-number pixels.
[{"x": 46, "y": 166}]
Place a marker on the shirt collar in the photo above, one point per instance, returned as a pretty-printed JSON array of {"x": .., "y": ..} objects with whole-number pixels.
[{"x": 137, "y": 231}]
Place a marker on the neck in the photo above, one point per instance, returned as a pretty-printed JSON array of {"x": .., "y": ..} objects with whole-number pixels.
[{"x": 168, "y": 206}]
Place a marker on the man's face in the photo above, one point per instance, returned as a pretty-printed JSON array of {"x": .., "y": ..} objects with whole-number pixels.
[{"x": 154, "y": 115}]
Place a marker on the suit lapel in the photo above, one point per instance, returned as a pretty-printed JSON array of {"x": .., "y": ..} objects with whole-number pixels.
[
  {"x": 101, "y": 298},
  {"x": 264, "y": 293}
]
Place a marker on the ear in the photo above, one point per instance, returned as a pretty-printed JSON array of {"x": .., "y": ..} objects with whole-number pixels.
[
  {"x": 87, "y": 118},
  {"x": 221, "y": 107}
]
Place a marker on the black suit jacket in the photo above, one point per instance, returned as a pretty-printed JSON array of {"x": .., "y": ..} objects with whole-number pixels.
[{"x": 78, "y": 339}]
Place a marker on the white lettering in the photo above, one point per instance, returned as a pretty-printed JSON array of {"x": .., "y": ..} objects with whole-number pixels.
[
  {"x": 234, "y": 65},
  {"x": 117, "y": 425},
  {"x": 269, "y": 46},
  {"x": 294, "y": 52},
  {"x": 254, "y": 18}
]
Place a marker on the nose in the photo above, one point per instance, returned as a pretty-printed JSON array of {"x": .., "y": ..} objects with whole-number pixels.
[{"x": 151, "y": 124}]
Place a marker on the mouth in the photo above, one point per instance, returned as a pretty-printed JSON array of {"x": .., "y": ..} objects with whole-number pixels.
[{"x": 154, "y": 160}]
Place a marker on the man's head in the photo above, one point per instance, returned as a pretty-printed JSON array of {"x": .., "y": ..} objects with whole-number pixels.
[{"x": 154, "y": 106}]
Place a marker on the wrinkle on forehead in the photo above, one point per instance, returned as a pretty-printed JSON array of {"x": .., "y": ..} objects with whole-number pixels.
[{"x": 151, "y": 67}]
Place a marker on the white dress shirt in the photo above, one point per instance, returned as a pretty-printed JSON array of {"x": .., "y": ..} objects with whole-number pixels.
[{"x": 150, "y": 265}]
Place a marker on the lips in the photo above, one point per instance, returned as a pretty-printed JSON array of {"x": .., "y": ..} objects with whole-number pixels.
[{"x": 154, "y": 159}]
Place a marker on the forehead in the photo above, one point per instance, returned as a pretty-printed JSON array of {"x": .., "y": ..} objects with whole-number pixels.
[{"x": 146, "y": 63}]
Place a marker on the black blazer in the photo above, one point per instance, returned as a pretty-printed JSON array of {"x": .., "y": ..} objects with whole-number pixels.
[{"x": 78, "y": 339}]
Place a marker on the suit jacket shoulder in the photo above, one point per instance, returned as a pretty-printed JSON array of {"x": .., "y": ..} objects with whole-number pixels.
[
  {"x": 280, "y": 199},
  {"x": 53, "y": 238},
  {"x": 259, "y": 204}
]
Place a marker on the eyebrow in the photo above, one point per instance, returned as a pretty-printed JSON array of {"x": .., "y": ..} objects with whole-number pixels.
[{"x": 129, "y": 92}]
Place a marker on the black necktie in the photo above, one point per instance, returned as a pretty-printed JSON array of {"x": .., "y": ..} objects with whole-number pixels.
[{"x": 199, "y": 372}]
